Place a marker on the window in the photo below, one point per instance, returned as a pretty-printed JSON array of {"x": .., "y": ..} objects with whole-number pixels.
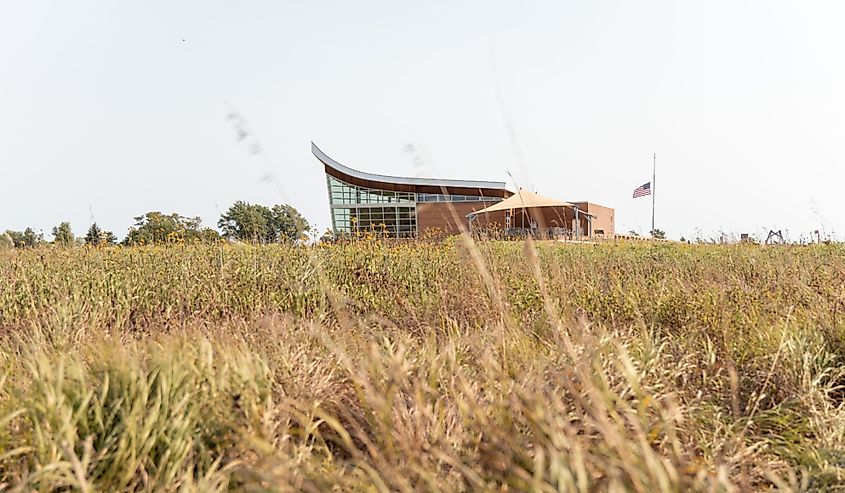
[
  {"x": 437, "y": 197},
  {"x": 358, "y": 209}
]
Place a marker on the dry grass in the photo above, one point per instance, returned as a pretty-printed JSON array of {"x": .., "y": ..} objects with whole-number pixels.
[{"x": 420, "y": 367}]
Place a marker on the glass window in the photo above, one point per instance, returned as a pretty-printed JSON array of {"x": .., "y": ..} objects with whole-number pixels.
[
  {"x": 437, "y": 197},
  {"x": 360, "y": 209}
]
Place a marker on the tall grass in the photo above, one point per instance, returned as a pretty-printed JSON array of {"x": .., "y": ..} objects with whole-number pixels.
[{"x": 423, "y": 367}]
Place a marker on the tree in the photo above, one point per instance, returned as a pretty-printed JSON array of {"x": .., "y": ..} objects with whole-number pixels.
[
  {"x": 287, "y": 224},
  {"x": 92, "y": 237},
  {"x": 96, "y": 236},
  {"x": 328, "y": 237},
  {"x": 31, "y": 238},
  {"x": 260, "y": 224},
  {"x": 208, "y": 235},
  {"x": 658, "y": 234},
  {"x": 245, "y": 222},
  {"x": 27, "y": 238},
  {"x": 6, "y": 241},
  {"x": 16, "y": 237},
  {"x": 633, "y": 233},
  {"x": 63, "y": 235},
  {"x": 156, "y": 227}
]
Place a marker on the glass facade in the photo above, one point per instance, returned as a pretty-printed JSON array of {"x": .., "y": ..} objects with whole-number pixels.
[
  {"x": 344, "y": 193},
  {"x": 437, "y": 197},
  {"x": 361, "y": 209},
  {"x": 357, "y": 208},
  {"x": 400, "y": 221}
]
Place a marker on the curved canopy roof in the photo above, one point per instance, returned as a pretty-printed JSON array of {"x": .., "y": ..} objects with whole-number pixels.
[
  {"x": 523, "y": 199},
  {"x": 424, "y": 182}
]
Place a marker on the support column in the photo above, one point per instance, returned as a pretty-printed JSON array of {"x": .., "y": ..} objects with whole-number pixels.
[{"x": 577, "y": 225}]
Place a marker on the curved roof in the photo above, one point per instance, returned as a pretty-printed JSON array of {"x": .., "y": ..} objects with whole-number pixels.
[{"x": 425, "y": 182}]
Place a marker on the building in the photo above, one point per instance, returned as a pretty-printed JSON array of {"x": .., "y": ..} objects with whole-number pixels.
[
  {"x": 408, "y": 207},
  {"x": 603, "y": 223}
]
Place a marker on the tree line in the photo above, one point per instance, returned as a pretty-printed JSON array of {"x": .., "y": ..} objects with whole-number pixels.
[{"x": 243, "y": 221}]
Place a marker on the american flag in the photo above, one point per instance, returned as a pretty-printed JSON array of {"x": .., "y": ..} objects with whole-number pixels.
[{"x": 642, "y": 190}]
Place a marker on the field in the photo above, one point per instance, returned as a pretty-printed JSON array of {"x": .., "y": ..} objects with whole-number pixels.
[{"x": 423, "y": 367}]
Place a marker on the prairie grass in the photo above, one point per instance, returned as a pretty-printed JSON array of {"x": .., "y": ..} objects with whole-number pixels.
[{"x": 423, "y": 367}]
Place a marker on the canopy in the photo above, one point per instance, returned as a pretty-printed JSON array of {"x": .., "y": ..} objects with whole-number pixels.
[{"x": 523, "y": 199}]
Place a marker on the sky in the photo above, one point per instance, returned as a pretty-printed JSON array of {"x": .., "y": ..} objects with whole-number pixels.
[{"x": 109, "y": 110}]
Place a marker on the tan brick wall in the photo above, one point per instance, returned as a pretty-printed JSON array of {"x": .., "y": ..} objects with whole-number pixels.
[
  {"x": 604, "y": 219},
  {"x": 437, "y": 215}
]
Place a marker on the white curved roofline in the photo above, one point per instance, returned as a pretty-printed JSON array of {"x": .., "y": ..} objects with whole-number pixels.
[{"x": 498, "y": 185}]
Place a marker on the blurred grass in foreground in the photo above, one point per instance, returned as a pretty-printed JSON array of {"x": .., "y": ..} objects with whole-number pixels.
[{"x": 435, "y": 367}]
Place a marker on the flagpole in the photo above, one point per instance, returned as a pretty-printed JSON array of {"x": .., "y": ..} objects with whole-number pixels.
[{"x": 653, "y": 190}]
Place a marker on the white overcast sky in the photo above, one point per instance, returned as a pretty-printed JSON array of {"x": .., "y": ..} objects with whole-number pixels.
[{"x": 106, "y": 111}]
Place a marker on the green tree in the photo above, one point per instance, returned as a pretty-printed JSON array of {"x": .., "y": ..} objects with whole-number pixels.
[
  {"x": 6, "y": 241},
  {"x": 97, "y": 236},
  {"x": 257, "y": 223},
  {"x": 16, "y": 237},
  {"x": 288, "y": 224},
  {"x": 245, "y": 222},
  {"x": 328, "y": 236},
  {"x": 108, "y": 238},
  {"x": 208, "y": 235},
  {"x": 63, "y": 235},
  {"x": 27, "y": 238},
  {"x": 92, "y": 237},
  {"x": 658, "y": 233},
  {"x": 156, "y": 227}
]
